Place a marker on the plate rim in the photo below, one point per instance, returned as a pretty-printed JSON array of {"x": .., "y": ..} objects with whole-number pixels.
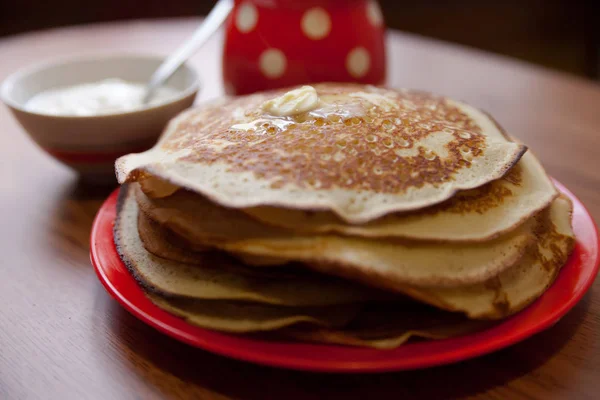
[{"x": 473, "y": 345}]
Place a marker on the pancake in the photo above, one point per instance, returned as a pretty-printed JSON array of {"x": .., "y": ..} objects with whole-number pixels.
[
  {"x": 517, "y": 287},
  {"x": 314, "y": 213},
  {"x": 360, "y": 152},
  {"x": 479, "y": 214},
  {"x": 238, "y": 317},
  {"x": 216, "y": 276},
  {"x": 389, "y": 326},
  {"x": 382, "y": 327},
  {"x": 379, "y": 263},
  {"x": 499, "y": 295},
  {"x": 165, "y": 244}
]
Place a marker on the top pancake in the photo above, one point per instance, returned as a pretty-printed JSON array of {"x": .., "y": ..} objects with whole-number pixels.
[{"x": 362, "y": 152}]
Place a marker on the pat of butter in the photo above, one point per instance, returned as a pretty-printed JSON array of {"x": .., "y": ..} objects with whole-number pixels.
[{"x": 294, "y": 102}]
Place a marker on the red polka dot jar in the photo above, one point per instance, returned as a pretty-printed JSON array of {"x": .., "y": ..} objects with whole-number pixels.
[{"x": 277, "y": 43}]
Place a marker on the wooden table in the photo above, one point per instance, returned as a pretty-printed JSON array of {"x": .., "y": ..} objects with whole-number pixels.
[{"x": 63, "y": 337}]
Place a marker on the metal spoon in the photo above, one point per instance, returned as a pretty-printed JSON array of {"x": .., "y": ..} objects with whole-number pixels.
[{"x": 210, "y": 25}]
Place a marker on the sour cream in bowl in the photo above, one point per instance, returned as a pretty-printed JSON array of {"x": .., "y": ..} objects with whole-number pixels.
[
  {"x": 86, "y": 112},
  {"x": 109, "y": 96}
]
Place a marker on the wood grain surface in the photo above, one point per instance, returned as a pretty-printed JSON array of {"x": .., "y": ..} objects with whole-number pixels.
[{"x": 63, "y": 337}]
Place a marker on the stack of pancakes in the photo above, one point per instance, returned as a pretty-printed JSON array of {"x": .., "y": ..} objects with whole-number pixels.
[{"x": 340, "y": 213}]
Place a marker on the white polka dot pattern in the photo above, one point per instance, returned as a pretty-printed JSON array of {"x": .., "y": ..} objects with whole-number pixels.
[
  {"x": 358, "y": 62},
  {"x": 246, "y": 17},
  {"x": 374, "y": 13},
  {"x": 272, "y": 63},
  {"x": 316, "y": 23}
]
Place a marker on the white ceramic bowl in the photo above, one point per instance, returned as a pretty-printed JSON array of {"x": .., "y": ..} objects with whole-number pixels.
[{"x": 90, "y": 144}]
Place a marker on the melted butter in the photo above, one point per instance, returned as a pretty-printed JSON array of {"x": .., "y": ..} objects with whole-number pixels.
[
  {"x": 294, "y": 102},
  {"x": 343, "y": 111},
  {"x": 257, "y": 124},
  {"x": 380, "y": 100},
  {"x": 327, "y": 109}
]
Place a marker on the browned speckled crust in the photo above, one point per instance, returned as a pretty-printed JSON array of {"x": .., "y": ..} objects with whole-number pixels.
[
  {"x": 547, "y": 237},
  {"x": 480, "y": 199},
  {"x": 501, "y": 304},
  {"x": 355, "y": 153}
]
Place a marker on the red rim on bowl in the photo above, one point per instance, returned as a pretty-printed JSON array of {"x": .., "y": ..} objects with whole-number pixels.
[{"x": 571, "y": 284}]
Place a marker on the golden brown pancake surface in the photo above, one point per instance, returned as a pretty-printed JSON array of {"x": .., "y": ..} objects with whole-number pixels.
[{"x": 361, "y": 153}]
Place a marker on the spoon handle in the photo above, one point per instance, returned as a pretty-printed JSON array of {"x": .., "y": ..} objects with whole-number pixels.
[{"x": 210, "y": 25}]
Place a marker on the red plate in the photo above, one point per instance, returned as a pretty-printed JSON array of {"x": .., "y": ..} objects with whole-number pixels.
[{"x": 573, "y": 281}]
